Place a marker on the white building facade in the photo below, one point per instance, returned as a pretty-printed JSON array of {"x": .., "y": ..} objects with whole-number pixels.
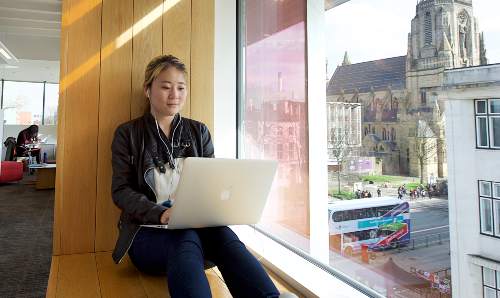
[{"x": 472, "y": 99}]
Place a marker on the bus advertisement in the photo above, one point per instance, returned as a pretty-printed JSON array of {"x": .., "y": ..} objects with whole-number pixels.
[{"x": 379, "y": 223}]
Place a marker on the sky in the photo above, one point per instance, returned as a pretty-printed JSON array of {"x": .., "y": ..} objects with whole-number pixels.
[{"x": 377, "y": 29}]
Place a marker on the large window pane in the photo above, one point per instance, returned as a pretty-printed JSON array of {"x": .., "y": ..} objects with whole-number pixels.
[
  {"x": 496, "y": 208},
  {"x": 495, "y": 132},
  {"x": 485, "y": 188},
  {"x": 481, "y": 107},
  {"x": 482, "y": 131},
  {"x": 51, "y": 102},
  {"x": 489, "y": 293},
  {"x": 274, "y": 110},
  {"x": 488, "y": 277},
  {"x": 486, "y": 216},
  {"x": 379, "y": 54},
  {"x": 23, "y": 102},
  {"x": 495, "y": 106}
]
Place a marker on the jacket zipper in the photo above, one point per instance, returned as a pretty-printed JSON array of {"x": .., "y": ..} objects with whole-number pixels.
[
  {"x": 147, "y": 170},
  {"x": 133, "y": 237}
]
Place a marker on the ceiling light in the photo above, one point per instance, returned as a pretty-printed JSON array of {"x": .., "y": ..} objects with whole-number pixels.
[{"x": 5, "y": 54}]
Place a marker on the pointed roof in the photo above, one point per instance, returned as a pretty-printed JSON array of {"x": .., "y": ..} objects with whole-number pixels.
[
  {"x": 367, "y": 76},
  {"x": 346, "y": 61}
]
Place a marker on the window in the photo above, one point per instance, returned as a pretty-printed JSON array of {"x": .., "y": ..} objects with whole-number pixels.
[
  {"x": 291, "y": 151},
  {"x": 423, "y": 98},
  {"x": 273, "y": 75},
  {"x": 486, "y": 216},
  {"x": 428, "y": 28},
  {"x": 489, "y": 203},
  {"x": 27, "y": 103},
  {"x": 491, "y": 283},
  {"x": 277, "y": 65},
  {"x": 51, "y": 102},
  {"x": 485, "y": 188},
  {"x": 23, "y": 102},
  {"x": 487, "y": 113}
]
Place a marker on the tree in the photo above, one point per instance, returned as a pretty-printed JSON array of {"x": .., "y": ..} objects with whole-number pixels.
[
  {"x": 339, "y": 146},
  {"x": 426, "y": 146}
]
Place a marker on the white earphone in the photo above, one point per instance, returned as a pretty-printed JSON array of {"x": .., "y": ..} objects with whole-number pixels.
[{"x": 147, "y": 92}]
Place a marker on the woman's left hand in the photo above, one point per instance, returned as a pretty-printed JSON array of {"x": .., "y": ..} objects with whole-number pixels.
[{"x": 165, "y": 216}]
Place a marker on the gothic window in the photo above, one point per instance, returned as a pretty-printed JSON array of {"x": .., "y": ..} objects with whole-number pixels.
[
  {"x": 428, "y": 28},
  {"x": 423, "y": 97},
  {"x": 373, "y": 130},
  {"x": 393, "y": 134},
  {"x": 366, "y": 131},
  {"x": 384, "y": 134}
]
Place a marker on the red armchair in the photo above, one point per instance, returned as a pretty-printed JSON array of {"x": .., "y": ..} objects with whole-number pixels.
[{"x": 11, "y": 171}]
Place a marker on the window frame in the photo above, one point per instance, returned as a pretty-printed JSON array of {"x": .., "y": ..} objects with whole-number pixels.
[
  {"x": 496, "y": 281},
  {"x": 494, "y": 215},
  {"x": 44, "y": 90},
  {"x": 491, "y": 135},
  {"x": 488, "y": 115}
]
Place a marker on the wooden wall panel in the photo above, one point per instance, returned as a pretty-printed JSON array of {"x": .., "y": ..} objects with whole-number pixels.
[
  {"x": 177, "y": 37},
  {"x": 202, "y": 62},
  {"x": 101, "y": 87},
  {"x": 114, "y": 109},
  {"x": 56, "y": 232},
  {"x": 147, "y": 44},
  {"x": 77, "y": 224}
]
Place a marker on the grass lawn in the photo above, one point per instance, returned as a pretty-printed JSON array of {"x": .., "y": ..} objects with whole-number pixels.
[
  {"x": 412, "y": 185},
  {"x": 343, "y": 195},
  {"x": 387, "y": 178}
]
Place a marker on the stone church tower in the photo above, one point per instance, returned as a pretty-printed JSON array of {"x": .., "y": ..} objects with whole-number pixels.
[{"x": 444, "y": 34}]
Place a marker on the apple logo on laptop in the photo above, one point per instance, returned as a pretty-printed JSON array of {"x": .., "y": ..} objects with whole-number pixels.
[{"x": 225, "y": 194}]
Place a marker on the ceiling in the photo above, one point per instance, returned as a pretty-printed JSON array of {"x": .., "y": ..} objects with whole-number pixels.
[
  {"x": 30, "y": 29},
  {"x": 30, "y": 32}
]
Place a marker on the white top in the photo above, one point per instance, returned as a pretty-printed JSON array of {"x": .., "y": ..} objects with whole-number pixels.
[{"x": 166, "y": 183}]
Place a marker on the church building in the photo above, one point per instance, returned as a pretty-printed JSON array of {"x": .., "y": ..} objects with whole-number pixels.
[{"x": 402, "y": 121}]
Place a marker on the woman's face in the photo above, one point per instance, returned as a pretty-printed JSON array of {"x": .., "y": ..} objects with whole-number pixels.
[{"x": 168, "y": 92}]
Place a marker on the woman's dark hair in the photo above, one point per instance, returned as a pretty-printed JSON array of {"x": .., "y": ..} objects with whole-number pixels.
[
  {"x": 33, "y": 130},
  {"x": 160, "y": 63}
]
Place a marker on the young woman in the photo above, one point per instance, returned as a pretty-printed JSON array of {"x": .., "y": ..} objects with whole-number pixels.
[
  {"x": 147, "y": 155},
  {"x": 27, "y": 137}
]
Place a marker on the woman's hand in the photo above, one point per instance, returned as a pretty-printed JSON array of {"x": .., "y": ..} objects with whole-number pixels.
[{"x": 165, "y": 216}]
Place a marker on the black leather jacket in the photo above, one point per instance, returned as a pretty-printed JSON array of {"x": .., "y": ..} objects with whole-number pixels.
[{"x": 135, "y": 147}]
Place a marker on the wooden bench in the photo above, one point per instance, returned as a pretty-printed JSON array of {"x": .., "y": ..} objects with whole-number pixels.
[{"x": 95, "y": 275}]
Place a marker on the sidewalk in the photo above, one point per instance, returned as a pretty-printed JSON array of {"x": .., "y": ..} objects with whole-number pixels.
[{"x": 430, "y": 259}]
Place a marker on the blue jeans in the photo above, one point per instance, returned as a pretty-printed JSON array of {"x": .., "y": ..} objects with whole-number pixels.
[{"x": 180, "y": 254}]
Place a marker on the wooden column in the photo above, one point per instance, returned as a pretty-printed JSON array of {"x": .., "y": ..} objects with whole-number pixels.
[
  {"x": 114, "y": 108},
  {"x": 105, "y": 47}
]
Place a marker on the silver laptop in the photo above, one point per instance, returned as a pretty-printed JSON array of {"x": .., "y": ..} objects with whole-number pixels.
[{"x": 220, "y": 192}]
